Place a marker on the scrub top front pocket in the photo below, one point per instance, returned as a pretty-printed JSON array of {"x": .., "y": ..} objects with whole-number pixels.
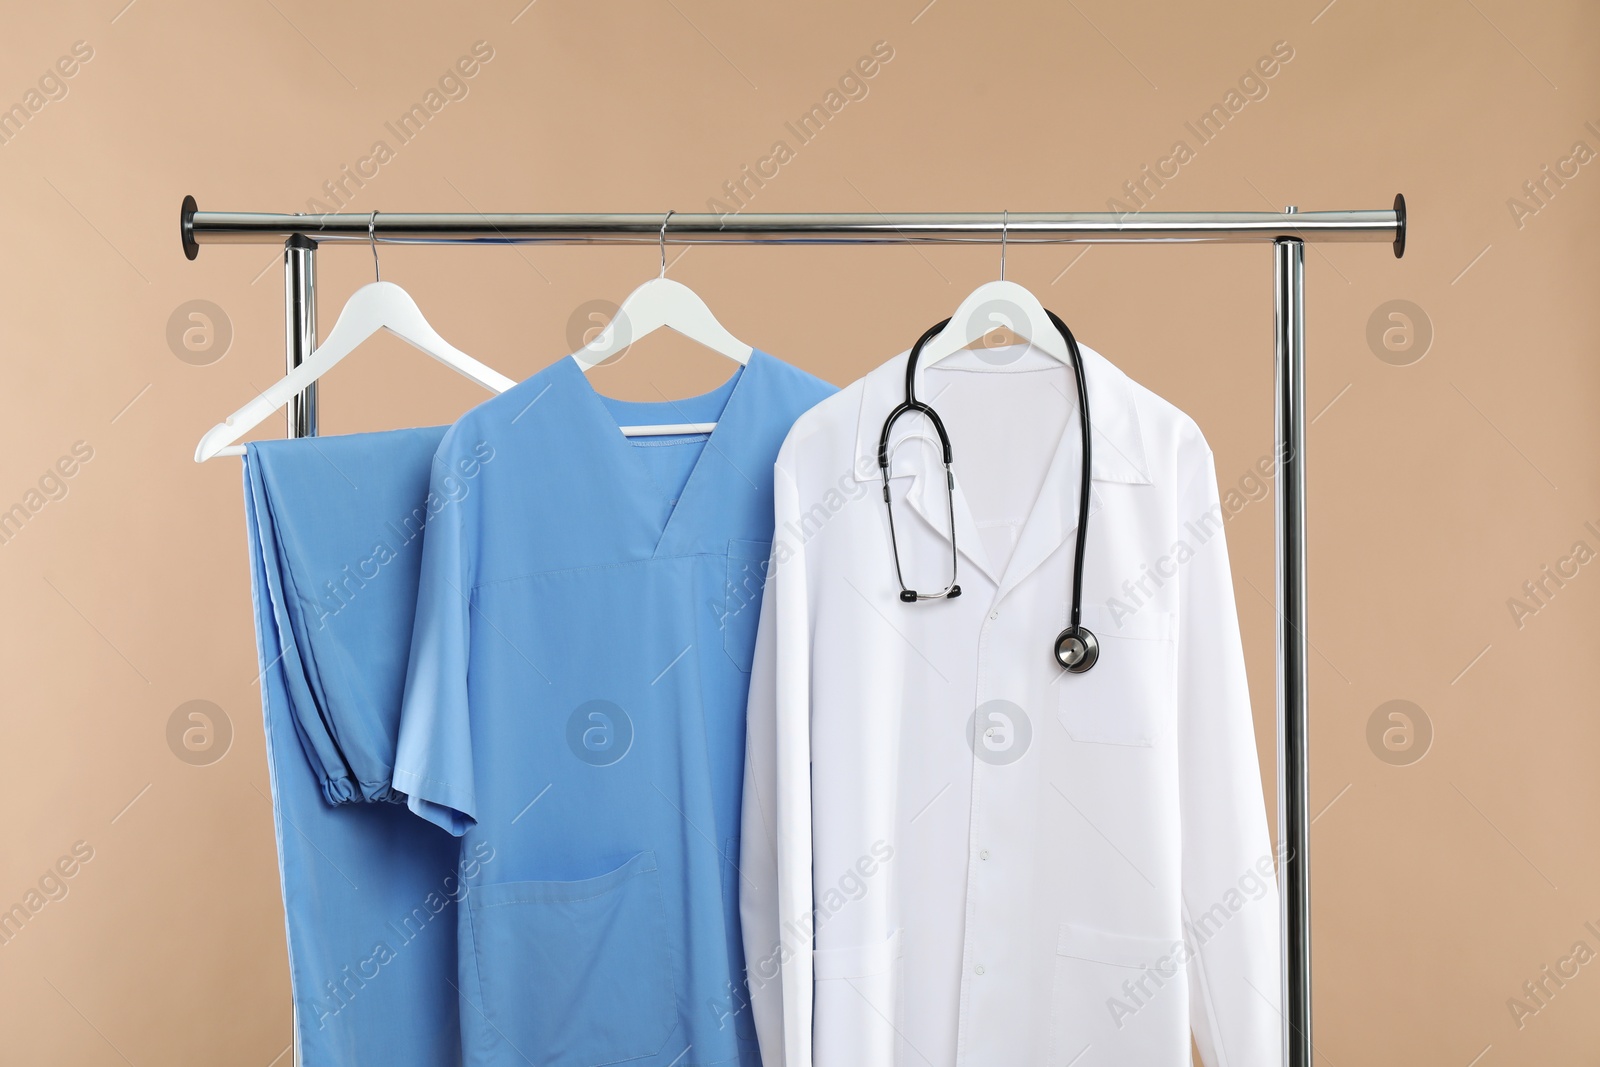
[
  {"x": 576, "y": 974},
  {"x": 1128, "y": 696},
  {"x": 741, "y": 607}
]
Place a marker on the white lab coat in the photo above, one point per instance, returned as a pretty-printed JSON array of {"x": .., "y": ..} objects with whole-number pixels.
[{"x": 955, "y": 853}]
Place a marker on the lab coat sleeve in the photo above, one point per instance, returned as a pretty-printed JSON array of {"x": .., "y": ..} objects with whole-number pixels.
[
  {"x": 433, "y": 759},
  {"x": 1230, "y": 894},
  {"x": 775, "y": 849}
]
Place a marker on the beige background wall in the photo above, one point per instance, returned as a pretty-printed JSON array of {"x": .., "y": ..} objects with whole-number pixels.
[{"x": 1439, "y": 485}]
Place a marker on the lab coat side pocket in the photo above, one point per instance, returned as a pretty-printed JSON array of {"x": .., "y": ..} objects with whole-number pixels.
[
  {"x": 1121, "y": 997},
  {"x": 575, "y": 973},
  {"x": 856, "y": 998},
  {"x": 741, "y": 603},
  {"x": 1129, "y": 696}
]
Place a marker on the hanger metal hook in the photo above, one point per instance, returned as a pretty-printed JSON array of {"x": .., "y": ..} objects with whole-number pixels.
[
  {"x": 664, "y": 219},
  {"x": 1005, "y": 226},
  {"x": 372, "y": 235}
]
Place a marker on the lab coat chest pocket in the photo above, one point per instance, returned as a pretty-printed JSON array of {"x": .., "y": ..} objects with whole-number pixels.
[
  {"x": 575, "y": 974},
  {"x": 741, "y": 603},
  {"x": 1128, "y": 696}
]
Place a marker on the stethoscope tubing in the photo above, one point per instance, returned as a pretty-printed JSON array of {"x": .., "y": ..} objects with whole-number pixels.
[
  {"x": 1076, "y": 649},
  {"x": 1085, "y": 482}
]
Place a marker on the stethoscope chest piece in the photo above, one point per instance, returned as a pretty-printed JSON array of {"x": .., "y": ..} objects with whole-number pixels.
[{"x": 1076, "y": 649}]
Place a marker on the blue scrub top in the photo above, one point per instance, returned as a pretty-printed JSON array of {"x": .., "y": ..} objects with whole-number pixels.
[
  {"x": 575, "y": 703},
  {"x": 335, "y": 530}
]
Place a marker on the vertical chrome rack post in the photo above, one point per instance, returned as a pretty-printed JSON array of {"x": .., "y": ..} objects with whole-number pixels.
[
  {"x": 300, "y": 326},
  {"x": 1287, "y": 232},
  {"x": 1294, "y": 825}
]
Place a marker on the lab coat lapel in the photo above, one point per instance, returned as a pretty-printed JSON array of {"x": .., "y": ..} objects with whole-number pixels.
[
  {"x": 1054, "y": 519},
  {"x": 927, "y": 498},
  {"x": 914, "y": 452},
  {"x": 1118, "y": 457}
]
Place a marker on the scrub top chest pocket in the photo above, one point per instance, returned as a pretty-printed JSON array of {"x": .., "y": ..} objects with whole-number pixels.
[
  {"x": 741, "y": 602},
  {"x": 1129, "y": 696}
]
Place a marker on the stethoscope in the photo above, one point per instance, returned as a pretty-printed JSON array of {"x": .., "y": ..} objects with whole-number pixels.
[{"x": 1076, "y": 648}]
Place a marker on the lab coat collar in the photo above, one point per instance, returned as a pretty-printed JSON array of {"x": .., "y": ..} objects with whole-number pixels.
[{"x": 1119, "y": 456}]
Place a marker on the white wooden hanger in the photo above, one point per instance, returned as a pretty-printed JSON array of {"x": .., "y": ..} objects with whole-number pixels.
[
  {"x": 662, "y": 302},
  {"x": 987, "y": 300},
  {"x": 378, "y": 305}
]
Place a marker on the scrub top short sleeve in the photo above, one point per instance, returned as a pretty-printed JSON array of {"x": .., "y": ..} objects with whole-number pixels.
[{"x": 434, "y": 760}]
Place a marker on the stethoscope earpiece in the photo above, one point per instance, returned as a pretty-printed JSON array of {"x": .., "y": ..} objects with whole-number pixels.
[{"x": 1077, "y": 649}]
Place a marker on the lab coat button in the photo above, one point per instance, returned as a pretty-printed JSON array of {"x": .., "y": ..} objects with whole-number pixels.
[
  {"x": 983, "y": 854},
  {"x": 979, "y": 968}
]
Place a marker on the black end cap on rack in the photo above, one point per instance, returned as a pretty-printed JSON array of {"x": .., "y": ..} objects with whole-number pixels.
[
  {"x": 186, "y": 228},
  {"x": 1400, "y": 225}
]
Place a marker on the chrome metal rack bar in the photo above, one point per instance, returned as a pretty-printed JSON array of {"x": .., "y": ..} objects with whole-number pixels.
[
  {"x": 1287, "y": 232},
  {"x": 232, "y": 227}
]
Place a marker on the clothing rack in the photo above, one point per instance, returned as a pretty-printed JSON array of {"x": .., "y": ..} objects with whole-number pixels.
[{"x": 1287, "y": 232}]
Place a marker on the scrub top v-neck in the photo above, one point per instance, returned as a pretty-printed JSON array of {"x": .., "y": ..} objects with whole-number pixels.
[
  {"x": 645, "y": 466},
  {"x": 575, "y": 705}
]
